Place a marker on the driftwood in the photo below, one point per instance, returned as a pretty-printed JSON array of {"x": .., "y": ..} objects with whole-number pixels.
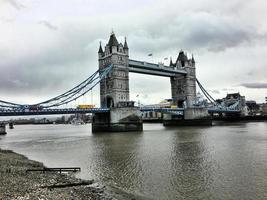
[{"x": 64, "y": 185}]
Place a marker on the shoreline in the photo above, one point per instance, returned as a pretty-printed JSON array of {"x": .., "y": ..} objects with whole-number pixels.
[{"x": 16, "y": 183}]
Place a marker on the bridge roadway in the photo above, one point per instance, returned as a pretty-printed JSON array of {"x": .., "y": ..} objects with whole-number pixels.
[
  {"x": 174, "y": 111},
  {"x": 154, "y": 69},
  {"x": 10, "y": 112},
  {"x": 52, "y": 111}
]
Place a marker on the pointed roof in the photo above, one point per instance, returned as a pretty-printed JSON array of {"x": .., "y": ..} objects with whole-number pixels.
[
  {"x": 182, "y": 56},
  {"x": 100, "y": 48},
  {"x": 125, "y": 44},
  {"x": 193, "y": 60},
  {"x": 113, "y": 40},
  {"x": 171, "y": 63}
]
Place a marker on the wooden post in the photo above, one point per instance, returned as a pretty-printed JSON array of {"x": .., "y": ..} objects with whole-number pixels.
[{"x": 2, "y": 128}]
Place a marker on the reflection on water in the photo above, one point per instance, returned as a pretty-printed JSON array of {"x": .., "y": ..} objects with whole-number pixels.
[{"x": 227, "y": 161}]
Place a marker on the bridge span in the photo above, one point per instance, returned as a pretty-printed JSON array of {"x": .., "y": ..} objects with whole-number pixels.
[{"x": 143, "y": 67}]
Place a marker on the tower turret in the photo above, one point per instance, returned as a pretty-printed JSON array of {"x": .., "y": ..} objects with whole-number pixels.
[
  {"x": 193, "y": 60},
  {"x": 113, "y": 43},
  {"x": 171, "y": 63},
  {"x": 100, "y": 51},
  {"x": 181, "y": 59},
  {"x": 125, "y": 47}
]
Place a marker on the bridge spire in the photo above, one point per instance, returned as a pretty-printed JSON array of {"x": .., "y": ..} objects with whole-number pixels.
[
  {"x": 171, "y": 63},
  {"x": 100, "y": 48},
  {"x": 193, "y": 60},
  {"x": 125, "y": 46}
]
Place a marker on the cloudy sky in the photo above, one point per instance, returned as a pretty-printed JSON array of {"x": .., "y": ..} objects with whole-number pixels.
[{"x": 47, "y": 47}]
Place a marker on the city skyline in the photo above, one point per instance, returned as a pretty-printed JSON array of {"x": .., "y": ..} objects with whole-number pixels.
[{"x": 48, "y": 47}]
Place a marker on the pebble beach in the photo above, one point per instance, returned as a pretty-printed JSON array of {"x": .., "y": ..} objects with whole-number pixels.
[{"x": 16, "y": 183}]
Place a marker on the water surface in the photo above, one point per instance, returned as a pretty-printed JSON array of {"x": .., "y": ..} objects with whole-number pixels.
[{"x": 227, "y": 161}]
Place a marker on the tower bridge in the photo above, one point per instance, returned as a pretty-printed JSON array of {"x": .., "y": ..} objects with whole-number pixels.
[
  {"x": 117, "y": 112},
  {"x": 114, "y": 89}
]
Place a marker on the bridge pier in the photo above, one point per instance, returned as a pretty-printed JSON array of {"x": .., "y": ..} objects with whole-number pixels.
[
  {"x": 192, "y": 117},
  {"x": 3, "y": 129},
  {"x": 124, "y": 119}
]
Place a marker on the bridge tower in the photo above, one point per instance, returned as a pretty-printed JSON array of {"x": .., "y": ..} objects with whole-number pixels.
[
  {"x": 115, "y": 87},
  {"x": 114, "y": 91},
  {"x": 183, "y": 89}
]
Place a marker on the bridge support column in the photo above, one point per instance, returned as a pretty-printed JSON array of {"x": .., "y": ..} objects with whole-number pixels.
[
  {"x": 118, "y": 120},
  {"x": 192, "y": 117},
  {"x": 2, "y": 129}
]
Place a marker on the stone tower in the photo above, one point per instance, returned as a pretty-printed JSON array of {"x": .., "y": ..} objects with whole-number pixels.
[
  {"x": 114, "y": 91},
  {"x": 183, "y": 87},
  {"x": 115, "y": 87}
]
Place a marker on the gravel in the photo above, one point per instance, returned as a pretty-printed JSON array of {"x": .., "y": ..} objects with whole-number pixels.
[{"x": 16, "y": 183}]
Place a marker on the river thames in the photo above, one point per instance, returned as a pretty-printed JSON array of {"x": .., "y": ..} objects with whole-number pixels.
[{"x": 225, "y": 161}]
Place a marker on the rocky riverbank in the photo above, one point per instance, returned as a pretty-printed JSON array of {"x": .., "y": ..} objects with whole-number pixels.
[{"x": 16, "y": 183}]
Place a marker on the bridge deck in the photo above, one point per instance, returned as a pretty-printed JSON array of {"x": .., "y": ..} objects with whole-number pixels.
[
  {"x": 154, "y": 69},
  {"x": 51, "y": 111},
  {"x": 176, "y": 111}
]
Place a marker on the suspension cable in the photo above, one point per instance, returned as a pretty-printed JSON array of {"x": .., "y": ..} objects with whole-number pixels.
[{"x": 69, "y": 96}]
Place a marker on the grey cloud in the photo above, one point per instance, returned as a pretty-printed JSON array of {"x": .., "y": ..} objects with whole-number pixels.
[
  {"x": 48, "y": 25},
  {"x": 215, "y": 91},
  {"x": 53, "y": 70},
  {"x": 15, "y": 4},
  {"x": 228, "y": 89},
  {"x": 70, "y": 53},
  {"x": 195, "y": 31},
  {"x": 255, "y": 85},
  {"x": 7, "y": 20}
]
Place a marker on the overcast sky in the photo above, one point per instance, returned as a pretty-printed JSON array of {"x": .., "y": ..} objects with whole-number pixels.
[{"x": 47, "y": 47}]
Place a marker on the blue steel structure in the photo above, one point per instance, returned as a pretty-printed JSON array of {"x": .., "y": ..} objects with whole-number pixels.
[
  {"x": 67, "y": 97},
  {"x": 219, "y": 107},
  {"x": 56, "y": 111}
]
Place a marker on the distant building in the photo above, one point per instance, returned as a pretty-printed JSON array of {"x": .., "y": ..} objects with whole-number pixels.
[
  {"x": 253, "y": 107},
  {"x": 232, "y": 98},
  {"x": 263, "y": 109},
  {"x": 236, "y": 101}
]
